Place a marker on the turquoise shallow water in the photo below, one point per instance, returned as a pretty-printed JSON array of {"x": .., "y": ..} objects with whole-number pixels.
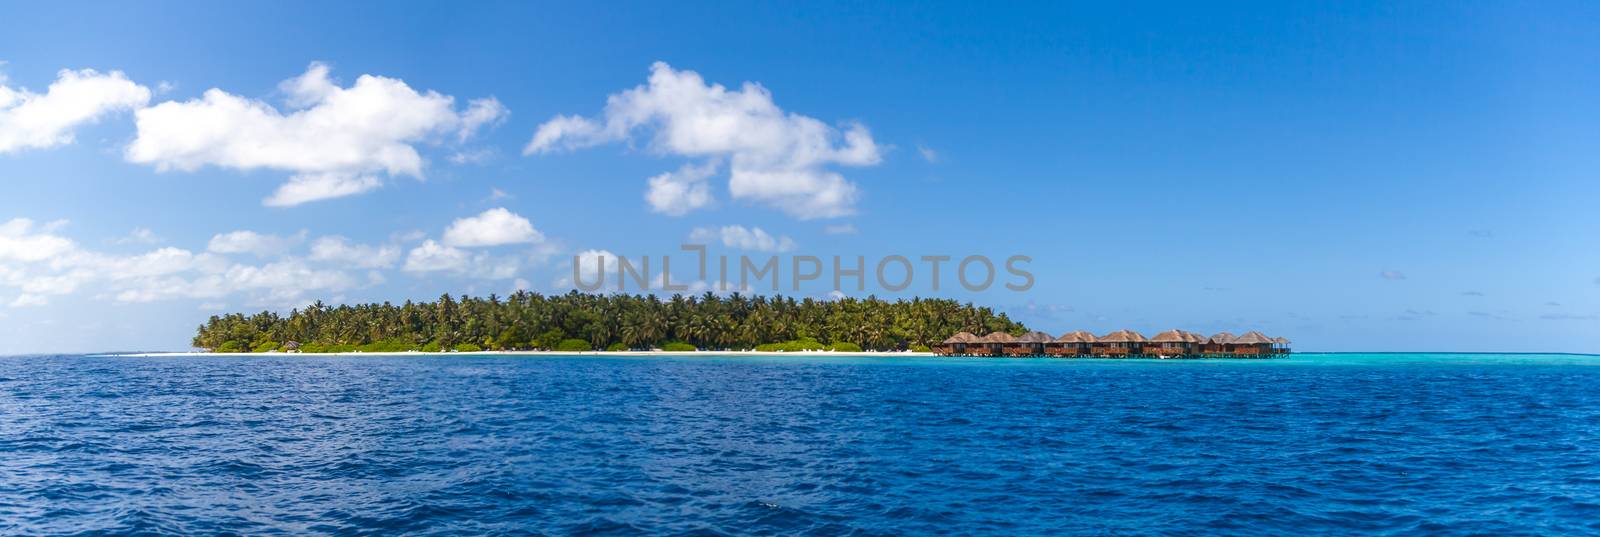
[{"x": 1314, "y": 444}]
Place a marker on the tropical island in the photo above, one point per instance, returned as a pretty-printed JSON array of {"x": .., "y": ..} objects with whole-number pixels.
[
  {"x": 576, "y": 322},
  {"x": 579, "y": 322}
]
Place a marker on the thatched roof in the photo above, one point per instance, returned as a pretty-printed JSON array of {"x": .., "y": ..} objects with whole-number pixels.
[
  {"x": 1122, "y": 336},
  {"x": 1280, "y": 340},
  {"x": 1222, "y": 338},
  {"x": 998, "y": 337},
  {"x": 1192, "y": 337},
  {"x": 1080, "y": 336},
  {"x": 1034, "y": 337},
  {"x": 961, "y": 337},
  {"x": 1171, "y": 336},
  {"x": 1252, "y": 338}
]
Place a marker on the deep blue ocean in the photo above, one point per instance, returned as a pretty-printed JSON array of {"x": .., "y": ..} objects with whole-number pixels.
[{"x": 1313, "y": 444}]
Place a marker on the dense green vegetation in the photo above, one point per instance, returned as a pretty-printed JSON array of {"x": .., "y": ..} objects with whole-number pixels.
[{"x": 577, "y": 321}]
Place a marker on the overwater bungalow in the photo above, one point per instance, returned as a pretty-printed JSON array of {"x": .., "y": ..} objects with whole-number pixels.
[
  {"x": 993, "y": 344},
  {"x": 1252, "y": 343},
  {"x": 1070, "y": 344},
  {"x": 1280, "y": 346},
  {"x": 1174, "y": 343},
  {"x": 1218, "y": 344},
  {"x": 1029, "y": 344},
  {"x": 1169, "y": 343},
  {"x": 1119, "y": 344},
  {"x": 956, "y": 345}
]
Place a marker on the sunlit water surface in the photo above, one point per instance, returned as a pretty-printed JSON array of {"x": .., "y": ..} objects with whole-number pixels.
[{"x": 1314, "y": 444}]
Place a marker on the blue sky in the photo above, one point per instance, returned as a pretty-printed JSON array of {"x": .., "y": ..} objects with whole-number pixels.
[{"x": 1354, "y": 176}]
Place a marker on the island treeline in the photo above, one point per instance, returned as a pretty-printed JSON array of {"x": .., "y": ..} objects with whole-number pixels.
[{"x": 578, "y": 321}]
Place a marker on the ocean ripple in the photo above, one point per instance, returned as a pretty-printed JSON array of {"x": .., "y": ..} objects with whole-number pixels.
[{"x": 1314, "y": 445}]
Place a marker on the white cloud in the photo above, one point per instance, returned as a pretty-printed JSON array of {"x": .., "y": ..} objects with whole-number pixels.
[
  {"x": 743, "y": 238},
  {"x": 493, "y": 227},
  {"x": 430, "y": 256},
  {"x": 25, "y": 300},
  {"x": 592, "y": 265},
  {"x": 679, "y": 192},
  {"x": 840, "y": 229},
  {"x": 281, "y": 282},
  {"x": 335, "y": 141},
  {"x": 140, "y": 235},
  {"x": 775, "y": 157},
  {"x": 39, "y": 263},
  {"x": 18, "y": 242},
  {"x": 481, "y": 113},
  {"x": 472, "y": 156},
  {"x": 35, "y": 121},
  {"x": 928, "y": 153},
  {"x": 339, "y": 250},
  {"x": 250, "y": 242},
  {"x": 1392, "y": 275},
  {"x": 307, "y": 187}
]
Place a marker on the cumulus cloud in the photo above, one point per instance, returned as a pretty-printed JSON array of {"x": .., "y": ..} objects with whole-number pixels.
[
  {"x": 590, "y": 266},
  {"x": 431, "y": 256},
  {"x": 335, "y": 141},
  {"x": 40, "y": 263},
  {"x": 31, "y": 120},
  {"x": 493, "y": 227},
  {"x": 774, "y": 157},
  {"x": 339, "y": 250},
  {"x": 19, "y": 241},
  {"x": 250, "y": 242},
  {"x": 743, "y": 238},
  {"x": 677, "y": 193}
]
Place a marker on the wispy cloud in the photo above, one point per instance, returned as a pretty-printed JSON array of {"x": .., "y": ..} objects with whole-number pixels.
[
  {"x": 1392, "y": 275},
  {"x": 1416, "y": 315},
  {"x": 139, "y": 235},
  {"x": 743, "y": 238}
]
